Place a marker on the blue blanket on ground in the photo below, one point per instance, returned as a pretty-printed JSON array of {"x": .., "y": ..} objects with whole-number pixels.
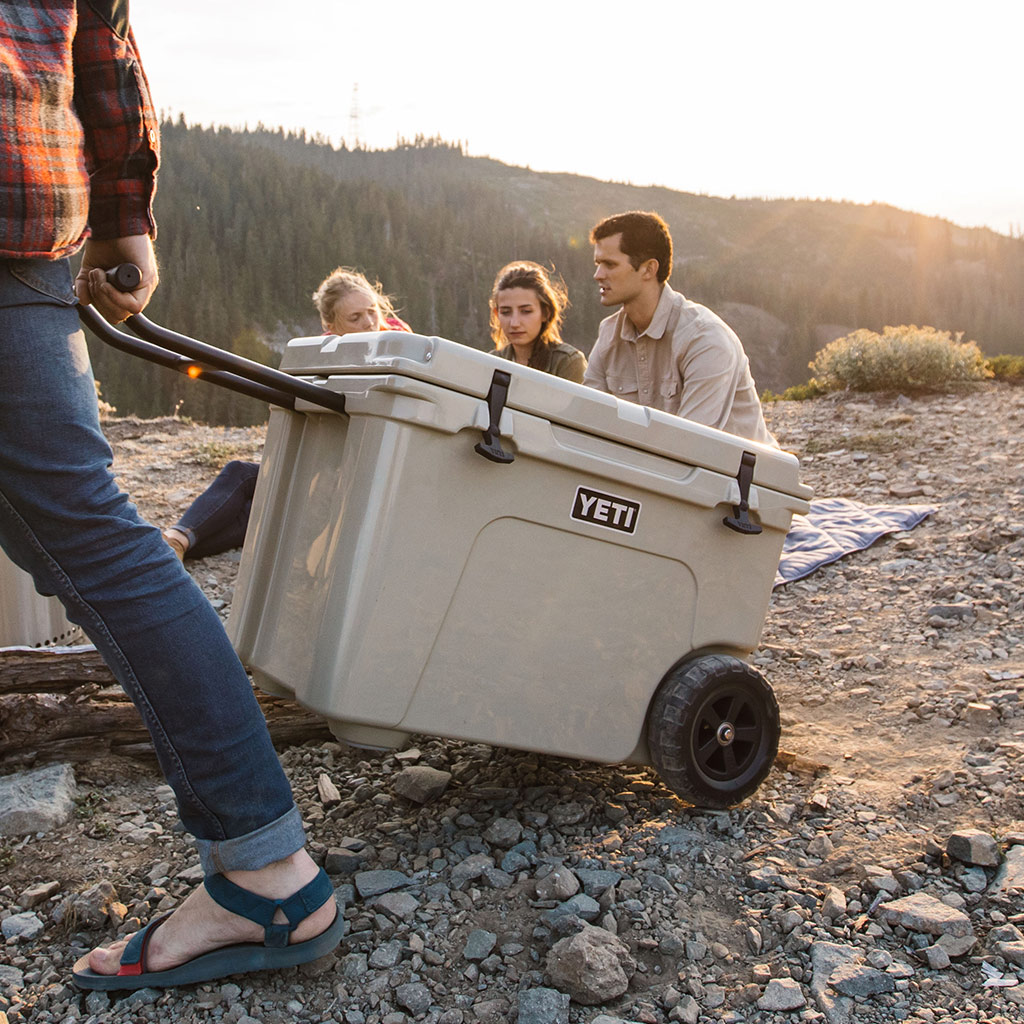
[{"x": 836, "y": 526}]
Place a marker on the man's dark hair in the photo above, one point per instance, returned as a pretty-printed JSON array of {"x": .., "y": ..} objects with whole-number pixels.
[{"x": 645, "y": 236}]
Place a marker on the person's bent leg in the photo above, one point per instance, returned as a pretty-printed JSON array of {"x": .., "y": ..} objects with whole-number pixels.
[
  {"x": 217, "y": 520},
  {"x": 63, "y": 519}
]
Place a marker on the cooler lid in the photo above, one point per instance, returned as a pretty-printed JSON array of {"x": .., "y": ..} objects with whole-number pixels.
[{"x": 469, "y": 371}]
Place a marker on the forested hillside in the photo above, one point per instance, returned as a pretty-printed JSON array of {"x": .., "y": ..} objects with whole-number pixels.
[{"x": 251, "y": 221}]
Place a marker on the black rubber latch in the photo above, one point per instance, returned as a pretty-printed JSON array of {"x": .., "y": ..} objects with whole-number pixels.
[
  {"x": 497, "y": 395},
  {"x": 740, "y": 521}
]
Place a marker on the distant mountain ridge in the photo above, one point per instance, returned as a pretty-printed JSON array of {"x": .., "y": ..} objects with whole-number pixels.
[{"x": 251, "y": 220}]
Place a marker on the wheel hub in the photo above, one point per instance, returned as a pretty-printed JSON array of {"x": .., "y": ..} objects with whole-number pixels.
[{"x": 726, "y": 734}]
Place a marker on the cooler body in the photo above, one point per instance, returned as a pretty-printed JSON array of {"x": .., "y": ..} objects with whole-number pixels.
[{"x": 396, "y": 581}]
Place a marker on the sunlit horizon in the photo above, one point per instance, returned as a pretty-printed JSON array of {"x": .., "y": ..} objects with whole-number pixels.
[{"x": 904, "y": 105}]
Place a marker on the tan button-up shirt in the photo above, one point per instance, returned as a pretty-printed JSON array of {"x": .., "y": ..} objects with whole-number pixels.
[{"x": 688, "y": 362}]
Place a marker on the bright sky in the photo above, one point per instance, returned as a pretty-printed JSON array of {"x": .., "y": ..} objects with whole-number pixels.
[{"x": 908, "y": 102}]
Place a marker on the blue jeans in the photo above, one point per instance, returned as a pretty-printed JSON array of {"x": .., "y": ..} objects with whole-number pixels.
[
  {"x": 217, "y": 520},
  {"x": 64, "y": 520}
]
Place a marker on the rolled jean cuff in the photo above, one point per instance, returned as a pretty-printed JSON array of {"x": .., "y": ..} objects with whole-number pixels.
[{"x": 274, "y": 841}]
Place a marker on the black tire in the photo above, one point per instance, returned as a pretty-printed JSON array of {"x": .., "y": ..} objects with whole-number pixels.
[{"x": 713, "y": 730}]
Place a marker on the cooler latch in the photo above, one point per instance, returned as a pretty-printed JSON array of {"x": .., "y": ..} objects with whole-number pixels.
[
  {"x": 740, "y": 521},
  {"x": 490, "y": 446}
]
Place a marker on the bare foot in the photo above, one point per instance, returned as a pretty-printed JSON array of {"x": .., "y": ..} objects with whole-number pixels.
[{"x": 200, "y": 925}]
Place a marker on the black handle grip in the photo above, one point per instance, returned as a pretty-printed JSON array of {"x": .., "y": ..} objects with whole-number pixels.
[{"x": 125, "y": 277}]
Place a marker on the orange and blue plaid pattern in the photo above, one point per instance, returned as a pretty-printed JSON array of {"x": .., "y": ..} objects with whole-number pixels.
[{"x": 79, "y": 144}]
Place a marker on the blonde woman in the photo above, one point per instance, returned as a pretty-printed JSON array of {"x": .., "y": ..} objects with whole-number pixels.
[{"x": 217, "y": 520}]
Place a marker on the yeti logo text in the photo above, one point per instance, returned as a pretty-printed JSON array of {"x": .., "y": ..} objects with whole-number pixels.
[{"x": 605, "y": 510}]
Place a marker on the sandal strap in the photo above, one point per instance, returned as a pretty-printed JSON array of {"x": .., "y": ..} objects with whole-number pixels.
[
  {"x": 259, "y": 909},
  {"x": 133, "y": 956}
]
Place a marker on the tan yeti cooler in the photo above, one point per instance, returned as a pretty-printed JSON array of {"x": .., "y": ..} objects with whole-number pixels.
[{"x": 482, "y": 551}]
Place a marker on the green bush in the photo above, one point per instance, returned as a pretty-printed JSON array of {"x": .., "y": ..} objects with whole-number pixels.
[
  {"x": 796, "y": 393},
  {"x": 1006, "y": 367},
  {"x": 905, "y": 358}
]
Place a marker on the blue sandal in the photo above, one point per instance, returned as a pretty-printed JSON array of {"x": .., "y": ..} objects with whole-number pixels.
[{"x": 275, "y": 951}]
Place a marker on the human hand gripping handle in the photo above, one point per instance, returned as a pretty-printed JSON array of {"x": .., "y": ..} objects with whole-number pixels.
[{"x": 116, "y": 296}]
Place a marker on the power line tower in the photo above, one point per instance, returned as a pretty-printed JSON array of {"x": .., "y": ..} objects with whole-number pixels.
[{"x": 354, "y": 131}]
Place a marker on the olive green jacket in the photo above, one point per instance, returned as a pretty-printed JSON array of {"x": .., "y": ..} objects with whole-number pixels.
[{"x": 562, "y": 360}]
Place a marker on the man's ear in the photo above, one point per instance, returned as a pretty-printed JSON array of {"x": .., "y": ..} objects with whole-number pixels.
[{"x": 649, "y": 269}]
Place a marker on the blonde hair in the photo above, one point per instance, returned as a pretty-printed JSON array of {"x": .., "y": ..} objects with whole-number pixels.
[{"x": 339, "y": 283}]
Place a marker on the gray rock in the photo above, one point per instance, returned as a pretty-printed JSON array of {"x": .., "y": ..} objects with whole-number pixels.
[
  {"x": 580, "y": 905},
  {"x": 782, "y": 995},
  {"x": 35, "y": 894},
  {"x": 714, "y": 996},
  {"x": 834, "y": 903},
  {"x": 399, "y": 905},
  {"x": 860, "y": 981},
  {"x": 97, "y": 1003},
  {"x": 658, "y": 883},
  {"x": 22, "y": 927},
  {"x": 386, "y": 955},
  {"x": 767, "y": 878},
  {"x": 354, "y": 966},
  {"x": 592, "y": 966},
  {"x": 141, "y": 997},
  {"x": 543, "y": 1006},
  {"x": 1010, "y": 876},
  {"x": 421, "y": 783},
  {"x": 596, "y": 880},
  {"x": 11, "y": 977},
  {"x": 97, "y": 907},
  {"x": 413, "y": 996},
  {"x": 826, "y": 957},
  {"x": 340, "y": 861},
  {"x": 972, "y": 846},
  {"x": 469, "y": 868},
  {"x": 514, "y": 862},
  {"x": 936, "y": 957},
  {"x": 1012, "y": 951},
  {"x": 559, "y": 884},
  {"x": 495, "y": 878},
  {"x": 570, "y": 813},
  {"x": 678, "y": 839},
  {"x": 479, "y": 944},
  {"x": 687, "y": 1011},
  {"x": 974, "y": 879},
  {"x": 503, "y": 833},
  {"x": 36, "y": 801},
  {"x": 956, "y": 945},
  {"x": 923, "y": 913},
  {"x": 376, "y": 883}
]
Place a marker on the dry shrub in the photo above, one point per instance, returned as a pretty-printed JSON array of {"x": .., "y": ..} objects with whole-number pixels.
[
  {"x": 1006, "y": 367},
  {"x": 905, "y": 358}
]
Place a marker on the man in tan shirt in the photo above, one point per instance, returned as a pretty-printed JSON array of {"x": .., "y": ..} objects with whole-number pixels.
[{"x": 660, "y": 349}]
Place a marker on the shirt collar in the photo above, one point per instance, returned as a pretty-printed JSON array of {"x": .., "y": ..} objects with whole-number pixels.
[{"x": 656, "y": 328}]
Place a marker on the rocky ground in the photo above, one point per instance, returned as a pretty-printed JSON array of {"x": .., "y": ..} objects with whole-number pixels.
[{"x": 873, "y": 878}]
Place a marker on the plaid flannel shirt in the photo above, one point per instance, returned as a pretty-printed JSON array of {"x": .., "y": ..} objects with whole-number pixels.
[{"x": 79, "y": 144}]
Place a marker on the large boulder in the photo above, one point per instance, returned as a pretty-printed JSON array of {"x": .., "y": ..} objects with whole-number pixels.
[
  {"x": 593, "y": 966},
  {"x": 36, "y": 801}
]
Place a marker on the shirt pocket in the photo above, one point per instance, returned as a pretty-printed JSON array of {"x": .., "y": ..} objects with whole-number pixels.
[
  {"x": 622, "y": 387},
  {"x": 669, "y": 388}
]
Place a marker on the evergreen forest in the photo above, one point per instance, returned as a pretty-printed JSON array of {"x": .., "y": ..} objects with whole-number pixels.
[{"x": 250, "y": 221}]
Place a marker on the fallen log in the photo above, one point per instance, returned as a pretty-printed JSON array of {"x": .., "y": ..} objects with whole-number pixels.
[{"x": 64, "y": 704}]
